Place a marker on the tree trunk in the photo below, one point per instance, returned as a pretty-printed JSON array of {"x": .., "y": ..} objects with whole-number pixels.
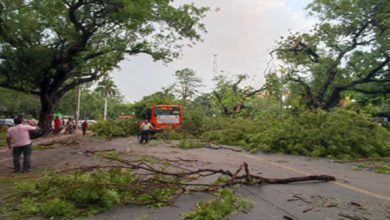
[
  {"x": 334, "y": 99},
  {"x": 47, "y": 109}
]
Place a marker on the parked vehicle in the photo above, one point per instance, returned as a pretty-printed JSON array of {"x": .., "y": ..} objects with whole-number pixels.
[{"x": 7, "y": 122}]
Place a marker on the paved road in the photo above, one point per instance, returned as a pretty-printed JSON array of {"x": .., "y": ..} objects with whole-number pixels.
[{"x": 355, "y": 194}]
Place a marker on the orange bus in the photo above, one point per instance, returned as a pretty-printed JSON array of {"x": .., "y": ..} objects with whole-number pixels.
[{"x": 164, "y": 116}]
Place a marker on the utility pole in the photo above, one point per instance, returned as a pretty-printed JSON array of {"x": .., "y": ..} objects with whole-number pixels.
[
  {"x": 78, "y": 107},
  {"x": 105, "y": 107}
]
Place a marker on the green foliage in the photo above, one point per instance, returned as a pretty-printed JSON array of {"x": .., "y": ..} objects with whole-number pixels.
[
  {"x": 3, "y": 141},
  {"x": 115, "y": 128},
  {"x": 225, "y": 204},
  {"x": 171, "y": 134},
  {"x": 187, "y": 83},
  {"x": 189, "y": 144},
  {"x": 84, "y": 194},
  {"x": 92, "y": 105},
  {"x": 50, "y": 47},
  {"x": 194, "y": 120},
  {"x": 378, "y": 167},
  {"x": 340, "y": 134},
  {"x": 384, "y": 169},
  {"x": 18, "y": 103},
  {"x": 229, "y": 96},
  {"x": 347, "y": 51}
]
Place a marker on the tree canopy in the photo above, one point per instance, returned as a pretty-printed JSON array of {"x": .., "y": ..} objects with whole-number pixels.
[
  {"x": 187, "y": 83},
  {"x": 347, "y": 51},
  {"x": 48, "y": 47}
]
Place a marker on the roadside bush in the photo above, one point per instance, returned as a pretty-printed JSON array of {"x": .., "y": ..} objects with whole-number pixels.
[
  {"x": 194, "y": 121},
  {"x": 228, "y": 130},
  {"x": 339, "y": 134},
  {"x": 118, "y": 128}
]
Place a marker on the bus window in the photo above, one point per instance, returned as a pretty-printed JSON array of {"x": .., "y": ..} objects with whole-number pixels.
[{"x": 167, "y": 111}]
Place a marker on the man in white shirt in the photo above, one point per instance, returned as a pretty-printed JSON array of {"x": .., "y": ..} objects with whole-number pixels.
[
  {"x": 146, "y": 129},
  {"x": 18, "y": 140}
]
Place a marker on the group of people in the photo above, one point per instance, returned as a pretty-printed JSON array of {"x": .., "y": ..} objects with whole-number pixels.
[
  {"x": 70, "y": 126},
  {"x": 18, "y": 139}
]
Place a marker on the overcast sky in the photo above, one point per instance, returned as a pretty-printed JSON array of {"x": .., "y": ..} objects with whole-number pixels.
[{"x": 240, "y": 32}]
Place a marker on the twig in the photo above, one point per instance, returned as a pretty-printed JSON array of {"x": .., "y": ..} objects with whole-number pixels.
[{"x": 300, "y": 198}]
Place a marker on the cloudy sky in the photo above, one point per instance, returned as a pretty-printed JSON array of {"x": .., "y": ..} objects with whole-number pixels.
[{"x": 240, "y": 32}]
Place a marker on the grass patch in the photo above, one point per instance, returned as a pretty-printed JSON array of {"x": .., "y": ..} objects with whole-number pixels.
[
  {"x": 42, "y": 147},
  {"x": 377, "y": 167},
  {"x": 189, "y": 144}
]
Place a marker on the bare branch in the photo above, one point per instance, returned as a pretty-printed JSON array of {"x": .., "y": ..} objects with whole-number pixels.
[{"x": 93, "y": 76}]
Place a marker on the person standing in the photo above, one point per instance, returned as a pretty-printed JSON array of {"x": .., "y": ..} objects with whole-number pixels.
[
  {"x": 84, "y": 127},
  {"x": 70, "y": 126},
  {"x": 18, "y": 140},
  {"x": 57, "y": 125}
]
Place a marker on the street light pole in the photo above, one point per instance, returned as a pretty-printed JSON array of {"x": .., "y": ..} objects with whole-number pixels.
[{"x": 78, "y": 108}]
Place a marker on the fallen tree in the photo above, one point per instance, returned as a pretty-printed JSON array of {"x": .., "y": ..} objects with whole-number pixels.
[{"x": 87, "y": 190}]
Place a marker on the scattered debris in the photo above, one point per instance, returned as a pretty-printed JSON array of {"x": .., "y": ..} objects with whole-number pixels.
[
  {"x": 69, "y": 141},
  {"x": 356, "y": 204},
  {"x": 219, "y": 147},
  {"x": 352, "y": 217},
  {"x": 297, "y": 197},
  {"x": 98, "y": 151}
]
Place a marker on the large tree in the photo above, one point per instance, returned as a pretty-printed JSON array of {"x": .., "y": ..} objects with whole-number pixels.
[
  {"x": 187, "y": 83},
  {"x": 48, "y": 47},
  {"x": 230, "y": 96},
  {"x": 349, "y": 50}
]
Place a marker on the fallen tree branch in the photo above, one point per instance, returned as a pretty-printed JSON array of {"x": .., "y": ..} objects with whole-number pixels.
[
  {"x": 166, "y": 175},
  {"x": 234, "y": 178},
  {"x": 218, "y": 147}
]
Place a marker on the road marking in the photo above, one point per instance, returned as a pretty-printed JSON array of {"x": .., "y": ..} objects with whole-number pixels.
[{"x": 354, "y": 188}]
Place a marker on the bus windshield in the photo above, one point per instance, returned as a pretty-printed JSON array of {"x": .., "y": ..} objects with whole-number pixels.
[{"x": 167, "y": 111}]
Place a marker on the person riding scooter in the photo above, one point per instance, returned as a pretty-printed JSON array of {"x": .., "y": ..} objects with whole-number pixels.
[{"x": 146, "y": 130}]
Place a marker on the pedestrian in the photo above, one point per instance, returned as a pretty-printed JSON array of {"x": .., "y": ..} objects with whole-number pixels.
[
  {"x": 84, "y": 127},
  {"x": 70, "y": 126},
  {"x": 18, "y": 140},
  {"x": 57, "y": 125}
]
